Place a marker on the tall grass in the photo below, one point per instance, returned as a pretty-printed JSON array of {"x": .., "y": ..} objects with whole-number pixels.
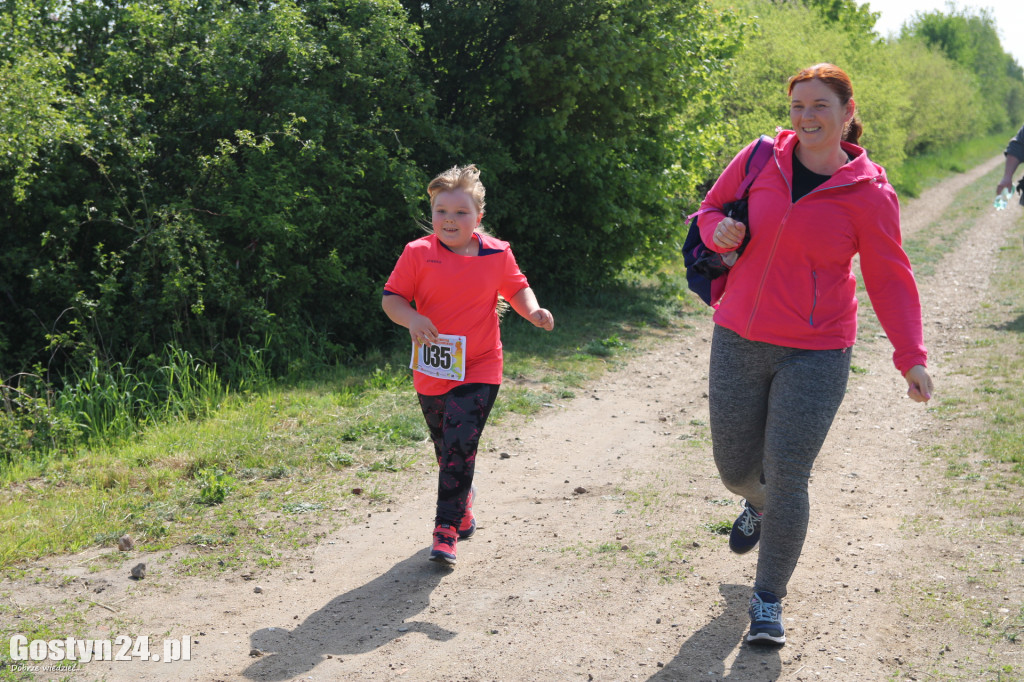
[
  {"x": 112, "y": 402},
  {"x": 104, "y": 403}
]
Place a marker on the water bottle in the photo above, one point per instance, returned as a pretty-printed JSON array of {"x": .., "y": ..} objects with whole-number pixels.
[{"x": 1002, "y": 199}]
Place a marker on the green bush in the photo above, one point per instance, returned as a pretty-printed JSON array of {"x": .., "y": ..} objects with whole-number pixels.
[
  {"x": 235, "y": 175},
  {"x": 201, "y": 196},
  {"x": 593, "y": 122},
  {"x": 30, "y": 426},
  {"x": 969, "y": 37},
  {"x": 942, "y": 101},
  {"x": 788, "y": 37}
]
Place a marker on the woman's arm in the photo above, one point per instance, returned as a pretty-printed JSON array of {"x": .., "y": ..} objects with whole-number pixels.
[
  {"x": 919, "y": 384},
  {"x": 718, "y": 232},
  {"x": 889, "y": 278}
]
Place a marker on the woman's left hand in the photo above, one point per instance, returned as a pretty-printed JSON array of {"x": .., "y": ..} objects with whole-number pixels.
[{"x": 919, "y": 384}]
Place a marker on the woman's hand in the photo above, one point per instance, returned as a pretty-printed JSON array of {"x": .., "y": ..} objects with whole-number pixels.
[
  {"x": 729, "y": 234},
  {"x": 919, "y": 384}
]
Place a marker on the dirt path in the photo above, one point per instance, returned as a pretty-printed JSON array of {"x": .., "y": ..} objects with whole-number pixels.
[{"x": 593, "y": 560}]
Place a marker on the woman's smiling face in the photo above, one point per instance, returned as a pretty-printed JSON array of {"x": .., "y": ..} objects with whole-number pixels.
[
  {"x": 454, "y": 218},
  {"x": 817, "y": 115}
]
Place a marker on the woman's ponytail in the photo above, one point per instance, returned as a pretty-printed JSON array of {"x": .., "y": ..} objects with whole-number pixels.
[{"x": 853, "y": 130}]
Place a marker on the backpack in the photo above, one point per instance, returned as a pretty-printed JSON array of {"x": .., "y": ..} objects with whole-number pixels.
[{"x": 707, "y": 270}]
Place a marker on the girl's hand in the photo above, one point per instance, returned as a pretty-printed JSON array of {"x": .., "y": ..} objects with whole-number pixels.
[
  {"x": 422, "y": 330},
  {"x": 919, "y": 384},
  {"x": 729, "y": 234},
  {"x": 543, "y": 319}
]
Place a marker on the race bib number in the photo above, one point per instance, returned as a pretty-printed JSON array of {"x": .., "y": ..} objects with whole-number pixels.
[{"x": 445, "y": 359}]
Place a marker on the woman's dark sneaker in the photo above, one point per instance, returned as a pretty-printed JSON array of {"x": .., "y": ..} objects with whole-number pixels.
[
  {"x": 766, "y": 619},
  {"x": 746, "y": 530}
]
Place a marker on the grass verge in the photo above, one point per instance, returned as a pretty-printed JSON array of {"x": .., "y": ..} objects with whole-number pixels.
[
  {"x": 979, "y": 448},
  {"x": 252, "y": 468}
]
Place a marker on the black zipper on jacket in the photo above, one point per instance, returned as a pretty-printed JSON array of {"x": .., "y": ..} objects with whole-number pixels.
[
  {"x": 814, "y": 295},
  {"x": 775, "y": 243}
]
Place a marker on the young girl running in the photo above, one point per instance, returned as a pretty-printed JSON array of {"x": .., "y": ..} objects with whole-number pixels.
[{"x": 454, "y": 276}]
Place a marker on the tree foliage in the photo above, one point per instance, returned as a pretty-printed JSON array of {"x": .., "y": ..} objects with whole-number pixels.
[
  {"x": 590, "y": 120},
  {"x": 946, "y": 76},
  {"x": 788, "y": 38},
  {"x": 970, "y": 39},
  {"x": 236, "y": 174},
  {"x": 219, "y": 175},
  {"x": 854, "y": 19},
  {"x": 942, "y": 101}
]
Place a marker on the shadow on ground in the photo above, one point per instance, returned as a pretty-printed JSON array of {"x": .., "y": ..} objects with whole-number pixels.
[
  {"x": 358, "y": 621},
  {"x": 1016, "y": 325},
  {"x": 703, "y": 656}
]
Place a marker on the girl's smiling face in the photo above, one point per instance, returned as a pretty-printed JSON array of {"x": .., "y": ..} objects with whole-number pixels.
[
  {"x": 817, "y": 115},
  {"x": 455, "y": 217}
]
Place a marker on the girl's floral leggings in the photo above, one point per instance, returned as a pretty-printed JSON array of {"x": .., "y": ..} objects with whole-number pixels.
[{"x": 455, "y": 420}]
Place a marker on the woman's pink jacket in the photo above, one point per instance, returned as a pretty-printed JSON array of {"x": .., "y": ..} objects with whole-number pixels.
[{"x": 794, "y": 284}]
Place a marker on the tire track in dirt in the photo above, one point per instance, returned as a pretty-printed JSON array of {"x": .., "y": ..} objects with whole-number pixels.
[{"x": 592, "y": 560}]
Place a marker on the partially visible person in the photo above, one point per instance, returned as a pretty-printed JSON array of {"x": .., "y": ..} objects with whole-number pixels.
[
  {"x": 454, "y": 276},
  {"x": 1014, "y": 157},
  {"x": 780, "y": 351}
]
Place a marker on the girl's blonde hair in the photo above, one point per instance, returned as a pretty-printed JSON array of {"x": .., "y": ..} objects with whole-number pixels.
[{"x": 466, "y": 178}]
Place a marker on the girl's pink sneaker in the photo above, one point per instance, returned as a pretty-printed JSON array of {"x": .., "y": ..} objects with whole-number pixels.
[
  {"x": 468, "y": 525},
  {"x": 443, "y": 550}
]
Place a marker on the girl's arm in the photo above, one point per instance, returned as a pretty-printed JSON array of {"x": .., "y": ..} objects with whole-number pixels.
[
  {"x": 401, "y": 312},
  {"x": 525, "y": 303}
]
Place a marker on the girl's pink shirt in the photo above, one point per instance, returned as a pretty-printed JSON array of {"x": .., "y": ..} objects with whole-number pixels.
[
  {"x": 459, "y": 294},
  {"x": 794, "y": 284}
]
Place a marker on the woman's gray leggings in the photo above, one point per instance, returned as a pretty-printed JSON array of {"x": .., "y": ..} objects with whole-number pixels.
[{"x": 771, "y": 408}]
